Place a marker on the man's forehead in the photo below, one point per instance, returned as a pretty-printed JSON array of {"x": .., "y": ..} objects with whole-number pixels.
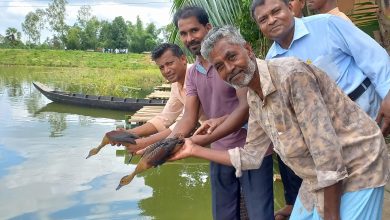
[
  {"x": 192, "y": 20},
  {"x": 166, "y": 57},
  {"x": 225, "y": 44},
  {"x": 224, "y": 48},
  {"x": 269, "y": 3}
]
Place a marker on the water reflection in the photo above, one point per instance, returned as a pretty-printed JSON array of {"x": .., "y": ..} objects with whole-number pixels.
[
  {"x": 185, "y": 199},
  {"x": 83, "y": 111},
  {"x": 15, "y": 88},
  {"x": 58, "y": 115},
  {"x": 8, "y": 159},
  {"x": 44, "y": 173},
  {"x": 179, "y": 188}
]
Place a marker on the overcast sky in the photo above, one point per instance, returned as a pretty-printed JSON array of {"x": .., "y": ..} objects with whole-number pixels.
[{"x": 13, "y": 12}]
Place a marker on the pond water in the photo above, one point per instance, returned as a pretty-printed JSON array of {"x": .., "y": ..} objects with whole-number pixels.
[{"x": 44, "y": 173}]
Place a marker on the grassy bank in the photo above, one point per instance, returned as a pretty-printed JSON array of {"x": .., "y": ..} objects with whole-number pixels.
[
  {"x": 78, "y": 71},
  {"x": 69, "y": 58}
]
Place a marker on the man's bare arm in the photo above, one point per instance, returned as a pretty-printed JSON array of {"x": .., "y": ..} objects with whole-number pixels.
[
  {"x": 190, "y": 149},
  {"x": 332, "y": 200},
  {"x": 383, "y": 118},
  {"x": 144, "y": 142},
  {"x": 232, "y": 123},
  {"x": 190, "y": 117},
  {"x": 144, "y": 130}
]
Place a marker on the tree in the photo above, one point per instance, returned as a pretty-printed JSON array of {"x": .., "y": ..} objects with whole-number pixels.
[
  {"x": 143, "y": 39},
  {"x": 137, "y": 36},
  {"x": 41, "y": 22},
  {"x": 119, "y": 32},
  {"x": 166, "y": 31},
  {"x": 73, "y": 38},
  {"x": 89, "y": 36},
  {"x": 105, "y": 35},
  {"x": 84, "y": 15},
  {"x": 151, "y": 37},
  {"x": 30, "y": 27},
  {"x": 13, "y": 36},
  {"x": 55, "y": 42},
  {"x": 56, "y": 13}
]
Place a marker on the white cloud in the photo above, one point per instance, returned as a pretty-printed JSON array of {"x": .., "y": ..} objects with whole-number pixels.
[
  {"x": 160, "y": 16},
  {"x": 51, "y": 188},
  {"x": 19, "y": 9}
]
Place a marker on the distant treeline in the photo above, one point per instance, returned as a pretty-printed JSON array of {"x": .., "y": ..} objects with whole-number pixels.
[{"x": 88, "y": 33}]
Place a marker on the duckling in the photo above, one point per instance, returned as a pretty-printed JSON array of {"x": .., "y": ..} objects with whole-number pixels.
[
  {"x": 154, "y": 155},
  {"x": 114, "y": 136}
]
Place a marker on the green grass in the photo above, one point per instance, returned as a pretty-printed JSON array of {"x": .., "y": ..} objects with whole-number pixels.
[
  {"x": 120, "y": 75},
  {"x": 62, "y": 58}
]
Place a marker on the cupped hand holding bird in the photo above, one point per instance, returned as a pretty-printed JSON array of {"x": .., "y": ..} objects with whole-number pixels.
[{"x": 187, "y": 150}]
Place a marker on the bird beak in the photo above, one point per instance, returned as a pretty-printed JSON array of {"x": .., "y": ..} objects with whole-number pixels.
[
  {"x": 118, "y": 187},
  {"x": 88, "y": 156}
]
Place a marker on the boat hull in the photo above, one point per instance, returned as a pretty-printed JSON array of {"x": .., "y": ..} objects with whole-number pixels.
[{"x": 92, "y": 101}]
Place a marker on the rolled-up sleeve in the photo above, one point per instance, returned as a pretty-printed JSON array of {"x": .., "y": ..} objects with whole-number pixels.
[
  {"x": 171, "y": 111},
  {"x": 255, "y": 149},
  {"x": 316, "y": 127}
]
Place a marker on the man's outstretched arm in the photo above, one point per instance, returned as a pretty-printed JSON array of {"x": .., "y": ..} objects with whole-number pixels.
[{"x": 232, "y": 123}]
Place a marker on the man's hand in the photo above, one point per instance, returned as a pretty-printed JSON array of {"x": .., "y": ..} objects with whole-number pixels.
[
  {"x": 332, "y": 200},
  {"x": 383, "y": 118},
  {"x": 133, "y": 148},
  {"x": 185, "y": 151},
  {"x": 210, "y": 125}
]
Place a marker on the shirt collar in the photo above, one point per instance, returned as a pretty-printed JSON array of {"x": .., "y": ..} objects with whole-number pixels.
[
  {"x": 200, "y": 68},
  {"x": 266, "y": 83},
  {"x": 300, "y": 31},
  {"x": 267, "y": 86},
  {"x": 334, "y": 11}
]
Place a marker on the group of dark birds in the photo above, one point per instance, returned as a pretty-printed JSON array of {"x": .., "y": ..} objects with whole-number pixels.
[{"x": 153, "y": 156}]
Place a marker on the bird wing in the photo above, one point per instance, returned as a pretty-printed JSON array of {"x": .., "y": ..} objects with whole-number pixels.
[
  {"x": 122, "y": 136},
  {"x": 161, "y": 153}
]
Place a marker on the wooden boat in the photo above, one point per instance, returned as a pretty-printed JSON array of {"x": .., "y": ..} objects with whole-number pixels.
[{"x": 93, "y": 101}]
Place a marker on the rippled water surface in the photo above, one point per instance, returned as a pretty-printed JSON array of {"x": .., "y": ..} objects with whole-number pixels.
[{"x": 44, "y": 173}]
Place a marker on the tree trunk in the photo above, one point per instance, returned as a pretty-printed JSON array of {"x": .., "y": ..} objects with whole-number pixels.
[{"x": 384, "y": 23}]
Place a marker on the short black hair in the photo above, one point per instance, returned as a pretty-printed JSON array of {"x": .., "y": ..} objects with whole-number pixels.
[
  {"x": 191, "y": 11},
  {"x": 256, "y": 3},
  {"x": 162, "y": 48}
]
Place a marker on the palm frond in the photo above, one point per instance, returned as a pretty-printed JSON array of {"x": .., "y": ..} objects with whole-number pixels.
[
  {"x": 221, "y": 12},
  {"x": 365, "y": 17}
]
